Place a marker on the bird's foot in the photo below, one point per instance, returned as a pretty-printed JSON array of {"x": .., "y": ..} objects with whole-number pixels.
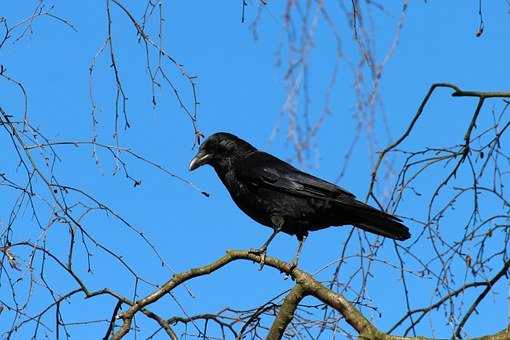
[
  {"x": 294, "y": 263},
  {"x": 259, "y": 251},
  {"x": 262, "y": 253}
]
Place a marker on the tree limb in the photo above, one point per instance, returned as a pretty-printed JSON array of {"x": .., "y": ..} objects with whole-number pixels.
[
  {"x": 286, "y": 312},
  {"x": 307, "y": 286}
]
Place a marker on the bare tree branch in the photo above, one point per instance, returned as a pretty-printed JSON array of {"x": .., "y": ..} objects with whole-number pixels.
[
  {"x": 305, "y": 285},
  {"x": 286, "y": 312}
]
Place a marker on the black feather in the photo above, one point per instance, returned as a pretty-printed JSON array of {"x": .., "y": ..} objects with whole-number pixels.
[{"x": 268, "y": 189}]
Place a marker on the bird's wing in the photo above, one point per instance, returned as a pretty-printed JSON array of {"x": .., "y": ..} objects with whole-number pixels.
[{"x": 263, "y": 169}]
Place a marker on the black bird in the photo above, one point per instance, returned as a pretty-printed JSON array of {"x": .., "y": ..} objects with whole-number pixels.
[{"x": 277, "y": 195}]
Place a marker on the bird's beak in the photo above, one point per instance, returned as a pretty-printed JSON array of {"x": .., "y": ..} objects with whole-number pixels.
[{"x": 200, "y": 159}]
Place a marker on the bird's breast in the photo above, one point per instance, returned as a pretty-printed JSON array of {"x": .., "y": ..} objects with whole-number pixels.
[{"x": 249, "y": 199}]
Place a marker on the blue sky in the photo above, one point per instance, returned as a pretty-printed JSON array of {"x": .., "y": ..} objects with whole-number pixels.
[{"x": 241, "y": 90}]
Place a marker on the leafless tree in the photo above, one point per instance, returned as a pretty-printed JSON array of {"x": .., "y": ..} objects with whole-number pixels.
[{"x": 53, "y": 253}]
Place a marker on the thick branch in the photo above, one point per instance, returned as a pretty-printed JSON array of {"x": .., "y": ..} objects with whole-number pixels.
[
  {"x": 286, "y": 312},
  {"x": 503, "y": 335},
  {"x": 305, "y": 285},
  {"x": 312, "y": 287},
  {"x": 178, "y": 279}
]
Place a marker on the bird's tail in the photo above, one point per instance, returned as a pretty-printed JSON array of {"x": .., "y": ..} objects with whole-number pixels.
[{"x": 380, "y": 223}]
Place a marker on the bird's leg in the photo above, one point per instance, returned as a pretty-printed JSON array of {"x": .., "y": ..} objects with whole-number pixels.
[
  {"x": 301, "y": 238},
  {"x": 263, "y": 249},
  {"x": 278, "y": 222}
]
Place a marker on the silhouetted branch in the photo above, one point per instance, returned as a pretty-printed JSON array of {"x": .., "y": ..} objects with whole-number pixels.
[
  {"x": 50, "y": 245},
  {"x": 488, "y": 287},
  {"x": 457, "y": 93}
]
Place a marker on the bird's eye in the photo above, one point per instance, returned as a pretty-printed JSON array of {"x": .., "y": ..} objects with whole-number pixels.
[{"x": 225, "y": 143}]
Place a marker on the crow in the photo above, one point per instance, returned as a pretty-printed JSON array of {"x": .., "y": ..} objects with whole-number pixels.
[{"x": 279, "y": 196}]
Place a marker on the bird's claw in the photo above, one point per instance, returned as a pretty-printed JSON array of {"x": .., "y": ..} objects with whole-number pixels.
[
  {"x": 292, "y": 265},
  {"x": 262, "y": 260},
  {"x": 257, "y": 251},
  {"x": 262, "y": 253}
]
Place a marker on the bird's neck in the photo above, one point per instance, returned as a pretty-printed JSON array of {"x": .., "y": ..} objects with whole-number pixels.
[{"x": 227, "y": 166}]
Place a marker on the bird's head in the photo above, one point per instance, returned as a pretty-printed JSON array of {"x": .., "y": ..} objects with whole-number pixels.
[{"x": 219, "y": 149}]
